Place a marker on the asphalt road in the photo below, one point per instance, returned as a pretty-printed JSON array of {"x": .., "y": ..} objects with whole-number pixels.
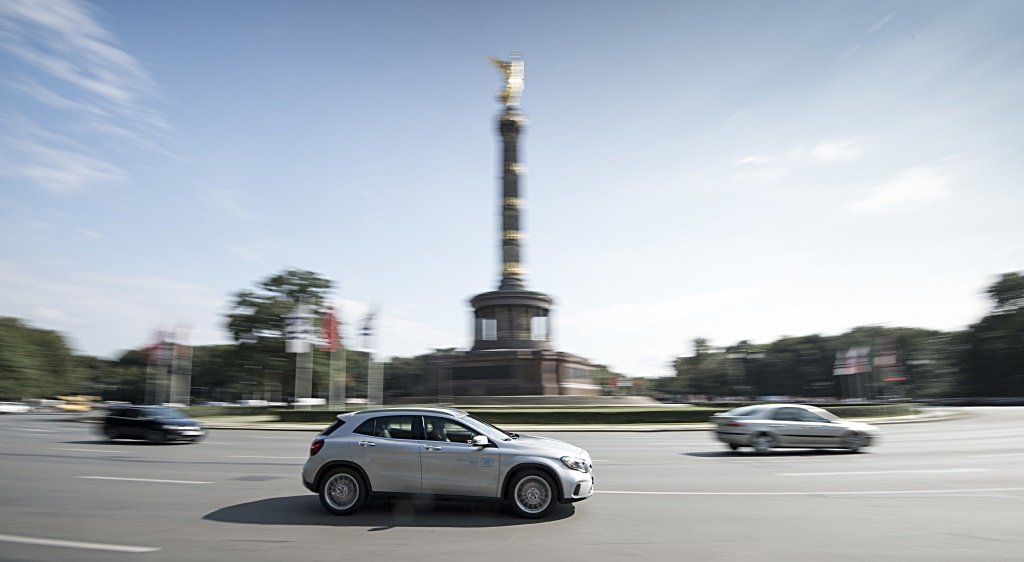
[{"x": 949, "y": 490}]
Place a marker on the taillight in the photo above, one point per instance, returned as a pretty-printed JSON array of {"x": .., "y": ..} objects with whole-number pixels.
[
  {"x": 315, "y": 446},
  {"x": 733, "y": 424}
]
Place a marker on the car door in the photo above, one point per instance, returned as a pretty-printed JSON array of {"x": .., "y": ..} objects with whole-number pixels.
[
  {"x": 819, "y": 431},
  {"x": 785, "y": 425},
  {"x": 454, "y": 467},
  {"x": 133, "y": 422},
  {"x": 388, "y": 450}
]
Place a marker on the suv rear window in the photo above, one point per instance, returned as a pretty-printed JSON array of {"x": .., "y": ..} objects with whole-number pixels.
[{"x": 332, "y": 428}]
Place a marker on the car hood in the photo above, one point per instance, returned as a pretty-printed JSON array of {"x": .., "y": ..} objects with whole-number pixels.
[
  {"x": 543, "y": 445},
  {"x": 861, "y": 426}
]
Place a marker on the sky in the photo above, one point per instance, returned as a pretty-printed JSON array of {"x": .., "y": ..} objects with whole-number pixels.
[{"x": 728, "y": 170}]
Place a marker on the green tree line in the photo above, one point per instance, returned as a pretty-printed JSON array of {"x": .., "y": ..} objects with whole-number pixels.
[{"x": 986, "y": 359}]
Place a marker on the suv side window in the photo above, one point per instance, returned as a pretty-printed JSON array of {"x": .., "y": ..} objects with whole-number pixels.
[
  {"x": 441, "y": 429},
  {"x": 366, "y": 428},
  {"x": 389, "y": 427}
]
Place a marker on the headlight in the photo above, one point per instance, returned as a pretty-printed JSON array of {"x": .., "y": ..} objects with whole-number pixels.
[
  {"x": 575, "y": 463},
  {"x": 172, "y": 427}
]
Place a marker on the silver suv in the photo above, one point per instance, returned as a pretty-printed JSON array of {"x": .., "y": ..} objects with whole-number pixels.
[{"x": 441, "y": 453}]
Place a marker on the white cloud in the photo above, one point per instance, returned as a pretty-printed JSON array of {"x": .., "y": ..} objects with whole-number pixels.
[
  {"x": 62, "y": 170},
  {"x": 911, "y": 188},
  {"x": 598, "y": 334},
  {"x": 756, "y": 159},
  {"x": 838, "y": 151},
  {"x": 61, "y": 38},
  {"x": 879, "y": 24},
  {"x": 71, "y": 65},
  {"x": 104, "y": 313}
]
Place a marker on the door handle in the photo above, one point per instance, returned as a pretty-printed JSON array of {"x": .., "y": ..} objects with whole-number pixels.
[
  {"x": 367, "y": 444},
  {"x": 433, "y": 448}
]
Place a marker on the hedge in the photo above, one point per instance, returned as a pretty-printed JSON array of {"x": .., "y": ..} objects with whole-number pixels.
[{"x": 609, "y": 416}]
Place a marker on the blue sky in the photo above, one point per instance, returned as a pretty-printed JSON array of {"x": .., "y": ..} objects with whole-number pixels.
[{"x": 731, "y": 170}]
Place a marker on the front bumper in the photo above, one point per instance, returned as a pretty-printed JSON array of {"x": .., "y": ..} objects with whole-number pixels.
[
  {"x": 576, "y": 485},
  {"x": 185, "y": 435}
]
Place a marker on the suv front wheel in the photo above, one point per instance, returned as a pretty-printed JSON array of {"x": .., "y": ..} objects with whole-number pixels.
[{"x": 532, "y": 494}]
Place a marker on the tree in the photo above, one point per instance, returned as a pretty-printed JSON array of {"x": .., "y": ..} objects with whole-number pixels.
[
  {"x": 35, "y": 362},
  {"x": 1008, "y": 293},
  {"x": 257, "y": 322},
  {"x": 991, "y": 355}
]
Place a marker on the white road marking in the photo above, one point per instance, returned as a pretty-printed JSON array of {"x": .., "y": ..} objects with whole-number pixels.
[
  {"x": 824, "y": 493},
  {"x": 662, "y": 443},
  {"x": 90, "y": 450},
  {"x": 995, "y": 456},
  {"x": 19, "y": 428},
  {"x": 788, "y": 460},
  {"x": 77, "y": 544},
  {"x": 859, "y": 472},
  {"x": 262, "y": 457},
  {"x": 144, "y": 480}
]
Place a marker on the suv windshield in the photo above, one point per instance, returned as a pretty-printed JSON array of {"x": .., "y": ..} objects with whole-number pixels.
[
  {"x": 165, "y": 413},
  {"x": 492, "y": 426}
]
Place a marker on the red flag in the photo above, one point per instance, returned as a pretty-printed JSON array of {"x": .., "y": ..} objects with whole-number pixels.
[{"x": 329, "y": 332}]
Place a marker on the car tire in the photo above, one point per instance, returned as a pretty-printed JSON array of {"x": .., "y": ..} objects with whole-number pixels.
[
  {"x": 342, "y": 491},
  {"x": 853, "y": 442},
  {"x": 733, "y": 447},
  {"x": 532, "y": 494},
  {"x": 762, "y": 442},
  {"x": 154, "y": 436},
  {"x": 111, "y": 434}
]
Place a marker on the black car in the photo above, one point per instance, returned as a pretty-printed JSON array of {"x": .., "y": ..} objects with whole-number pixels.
[{"x": 157, "y": 424}]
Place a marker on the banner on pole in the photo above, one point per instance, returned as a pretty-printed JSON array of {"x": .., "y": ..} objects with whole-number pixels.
[{"x": 298, "y": 330}]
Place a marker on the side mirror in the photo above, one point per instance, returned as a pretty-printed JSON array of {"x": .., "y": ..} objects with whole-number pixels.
[{"x": 480, "y": 441}]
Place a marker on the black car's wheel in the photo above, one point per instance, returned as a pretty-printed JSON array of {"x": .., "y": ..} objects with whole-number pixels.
[
  {"x": 110, "y": 433},
  {"x": 342, "y": 491},
  {"x": 762, "y": 442},
  {"x": 532, "y": 494},
  {"x": 853, "y": 442},
  {"x": 154, "y": 436},
  {"x": 734, "y": 447}
]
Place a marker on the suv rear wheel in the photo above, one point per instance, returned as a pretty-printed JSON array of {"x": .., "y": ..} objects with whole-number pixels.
[{"x": 342, "y": 491}]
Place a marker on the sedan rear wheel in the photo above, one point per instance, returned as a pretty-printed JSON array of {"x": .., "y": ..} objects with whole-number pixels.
[
  {"x": 533, "y": 494},
  {"x": 734, "y": 447},
  {"x": 762, "y": 442}
]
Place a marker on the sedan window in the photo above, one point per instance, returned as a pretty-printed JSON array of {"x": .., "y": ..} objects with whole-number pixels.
[
  {"x": 788, "y": 414},
  {"x": 808, "y": 416}
]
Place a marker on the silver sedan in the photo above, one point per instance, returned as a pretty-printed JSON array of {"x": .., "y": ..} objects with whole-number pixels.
[{"x": 767, "y": 426}]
